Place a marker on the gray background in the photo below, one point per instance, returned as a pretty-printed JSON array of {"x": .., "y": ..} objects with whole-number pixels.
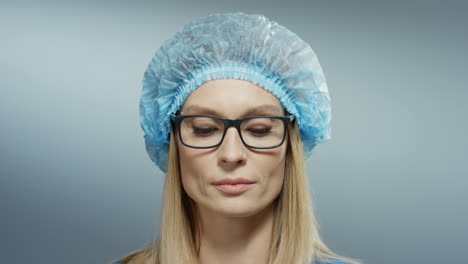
[{"x": 77, "y": 186}]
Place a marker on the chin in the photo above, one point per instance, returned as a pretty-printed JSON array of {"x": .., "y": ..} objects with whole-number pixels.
[
  {"x": 238, "y": 209},
  {"x": 237, "y": 214}
]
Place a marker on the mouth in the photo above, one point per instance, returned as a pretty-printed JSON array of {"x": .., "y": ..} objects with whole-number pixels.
[
  {"x": 235, "y": 181},
  {"x": 234, "y": 188}
]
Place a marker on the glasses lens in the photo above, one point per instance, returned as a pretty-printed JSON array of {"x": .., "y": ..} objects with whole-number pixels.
[
  {"x": 260, "y": 132},
  {"x": 263, "y": 132},
  {"x": 201, "y": 131}
]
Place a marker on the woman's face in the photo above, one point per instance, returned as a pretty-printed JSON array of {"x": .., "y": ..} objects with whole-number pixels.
[{"x": 201, "y": 168}]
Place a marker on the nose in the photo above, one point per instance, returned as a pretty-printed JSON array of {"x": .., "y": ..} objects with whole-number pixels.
[{"x": 232, "y": 153}]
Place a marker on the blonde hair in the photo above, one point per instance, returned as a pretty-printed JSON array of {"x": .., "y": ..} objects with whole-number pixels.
[{"x": 296, "y": 237}]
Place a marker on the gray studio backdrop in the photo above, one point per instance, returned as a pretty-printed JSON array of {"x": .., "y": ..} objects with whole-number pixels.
[{"x": 77, "y": 186}]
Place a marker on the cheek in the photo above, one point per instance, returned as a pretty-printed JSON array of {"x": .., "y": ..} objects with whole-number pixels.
[
  {"x": 189, "y": 180},
  {"x": 192, "y": 169},
  {"x": 272, "y": 168},
  {"x": 277, "y": 174},
  {"x": 279, "y": 169}
]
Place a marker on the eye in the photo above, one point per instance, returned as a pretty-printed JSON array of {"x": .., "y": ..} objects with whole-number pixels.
[
  {"x": 204, "y": 131},
  {"x": 260, "y": 132}
]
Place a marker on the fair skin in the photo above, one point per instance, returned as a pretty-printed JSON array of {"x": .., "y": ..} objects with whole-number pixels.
[{"x": 235, "y": 228}]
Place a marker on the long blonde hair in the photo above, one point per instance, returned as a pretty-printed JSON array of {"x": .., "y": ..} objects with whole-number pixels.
[{"x": 296, "y": 237}]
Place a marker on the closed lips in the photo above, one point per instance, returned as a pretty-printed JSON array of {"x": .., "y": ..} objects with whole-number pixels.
[{"x": 229, "y": 181}]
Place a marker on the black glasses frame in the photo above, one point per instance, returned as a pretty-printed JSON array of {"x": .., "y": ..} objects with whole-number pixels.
[{"x": 177, "y": 120}]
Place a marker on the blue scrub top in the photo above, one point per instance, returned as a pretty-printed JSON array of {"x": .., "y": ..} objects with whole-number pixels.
[{"x": 310, "y": 263}]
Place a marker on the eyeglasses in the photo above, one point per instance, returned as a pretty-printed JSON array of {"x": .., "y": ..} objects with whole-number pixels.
[{"x": 204, "y": 131}]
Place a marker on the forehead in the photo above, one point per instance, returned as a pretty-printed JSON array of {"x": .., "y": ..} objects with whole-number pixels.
[
  {"x": 251, "y": 111},
  {"x": 231, "y": 98}
]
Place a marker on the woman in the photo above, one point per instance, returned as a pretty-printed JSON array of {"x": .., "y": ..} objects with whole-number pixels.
[{"x": 230, "y": 107}]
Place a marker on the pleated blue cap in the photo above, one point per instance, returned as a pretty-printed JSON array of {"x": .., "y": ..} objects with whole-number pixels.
[{"x": 234, "y": 46}]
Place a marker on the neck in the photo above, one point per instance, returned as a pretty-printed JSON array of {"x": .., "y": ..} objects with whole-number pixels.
[{"x": 225, "y": 239}]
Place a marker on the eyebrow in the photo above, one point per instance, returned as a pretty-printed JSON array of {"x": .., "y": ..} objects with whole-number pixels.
[{"x": 259, "y": 110}]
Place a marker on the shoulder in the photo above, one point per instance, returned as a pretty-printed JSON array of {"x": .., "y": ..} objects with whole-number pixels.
[
  {"x": 330, "y": 261},
  {"x": 136, "y": 257},
  {"x": 325, "y": 262}
]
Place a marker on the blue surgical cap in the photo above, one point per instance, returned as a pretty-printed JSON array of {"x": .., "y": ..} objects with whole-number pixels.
[{"x": 234, "y": 46}]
